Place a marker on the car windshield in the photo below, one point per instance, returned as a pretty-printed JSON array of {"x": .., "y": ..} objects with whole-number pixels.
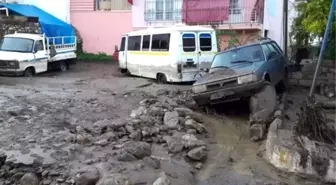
[
  {"x": 241, "y": 55},
  {"x": 16, "y": 44}
]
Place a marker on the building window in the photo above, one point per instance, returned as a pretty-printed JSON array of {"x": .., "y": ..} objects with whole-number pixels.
[
  {"x": 145, "y": 42},
  {"x": 106, "y": 5},
  {"x": 235, "y": 7},
  {"x": 163, "y": 10},
  {"x": 160, "y": 42},
  {"x": 205, "y": 42},
  {"x": 189, "y": 42},
  {"x": 133, "y": 43}
]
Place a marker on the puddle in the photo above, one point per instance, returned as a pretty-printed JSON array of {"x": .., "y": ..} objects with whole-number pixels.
[{"x": 230, "y": 140}]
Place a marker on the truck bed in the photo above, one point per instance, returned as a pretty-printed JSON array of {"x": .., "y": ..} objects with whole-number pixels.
[{"x": 65, "y": 47}]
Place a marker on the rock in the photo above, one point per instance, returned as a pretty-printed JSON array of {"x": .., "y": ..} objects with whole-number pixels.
[
  {"x": 182, "y": 111},
  {"x": 257, "y": 132},
  {"x": 156, "y": 111},
  {"x": 146, "y": 102},
  {"x": 83, "y": 138},
  {"x": 88, "y": 178},
  {"x": 191, "y": 131},
  {"x": 175, "y": 144},
  {"x": 29, "y": 179},
  {"x": 162, "y": 180},
  {"x": 198, "y": 166},
  {"x": 46, "y": 182},
  {"x": 116, "y": 124},
  {"x": 129, "y": 128},
  {"x": 198, "y": 154},
  {"x": 136, "y": 135},
  {"x": 154, "y": 163},
  {"x": 190, "y": 141},
  {"x": 190, "y": 123},
  {"x": 125, "y": 156},
  {"x": 138, "y": 112},
  {"x": 115, "y": 179},
  {"x": 138, "y": 149},
  {"x": 171, "y": 119},
  {"x": 109, "y": 136},
  {"x": 102, "y": 142},
  {"x": 102, "y": 125}
]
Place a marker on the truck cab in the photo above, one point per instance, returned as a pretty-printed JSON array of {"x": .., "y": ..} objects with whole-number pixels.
[{"x": 29, "y": 54}]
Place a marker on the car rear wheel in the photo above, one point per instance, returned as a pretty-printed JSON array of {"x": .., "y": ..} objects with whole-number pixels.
[{"x": 64, "y": 67}]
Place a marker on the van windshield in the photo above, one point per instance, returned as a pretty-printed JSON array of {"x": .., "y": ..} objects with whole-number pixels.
[
  {"x": 16, "y": 44},
  {"x": 240, "y": 55}
]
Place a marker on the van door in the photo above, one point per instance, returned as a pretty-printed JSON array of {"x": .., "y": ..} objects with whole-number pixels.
[
  {"x": 122, "y": 53},
  {"x": 205, "y": 49},
  {"x": 189, "y": 54}
]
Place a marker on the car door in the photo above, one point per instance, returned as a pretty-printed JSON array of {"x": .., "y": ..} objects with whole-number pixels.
[
  {"x": 279, "y": 62},
  {"x": 270, "y": 64},
  {"x": 40, "y": 57},
  {"x": 205, "y": 49}
]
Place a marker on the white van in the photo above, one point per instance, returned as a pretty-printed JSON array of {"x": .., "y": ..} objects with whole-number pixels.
[{"x": 173, "y": 54}]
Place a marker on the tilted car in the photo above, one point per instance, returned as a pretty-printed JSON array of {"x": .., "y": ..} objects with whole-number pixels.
[{"x": 240, "y": 72}]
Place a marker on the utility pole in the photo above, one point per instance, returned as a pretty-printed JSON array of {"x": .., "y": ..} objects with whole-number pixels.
[
  {"x": 285, "y": 26},
  {"x": 323, "y": 47}
]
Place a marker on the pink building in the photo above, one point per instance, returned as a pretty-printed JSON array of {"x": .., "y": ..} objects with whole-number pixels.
[
  {"x": 243, "y": 17},
  {"x": 101, "y": 23}
]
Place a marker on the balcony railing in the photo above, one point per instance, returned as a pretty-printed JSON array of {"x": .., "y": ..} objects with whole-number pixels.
[{"x": 204, "y": 12}]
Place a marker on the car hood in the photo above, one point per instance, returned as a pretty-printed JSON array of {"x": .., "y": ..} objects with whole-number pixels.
[
  {"x": 7, "y": 55},
  {"x": 217, "y": 74}
]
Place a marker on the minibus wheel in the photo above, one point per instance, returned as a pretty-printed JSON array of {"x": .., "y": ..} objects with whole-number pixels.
[{"x": 161, "y": 78}]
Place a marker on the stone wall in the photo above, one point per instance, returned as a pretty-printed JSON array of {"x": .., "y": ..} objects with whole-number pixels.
[
  {"x": 11, "y": 24},
  {"x": 227, "y": 38},
  {"x": 326, "y": 77}
]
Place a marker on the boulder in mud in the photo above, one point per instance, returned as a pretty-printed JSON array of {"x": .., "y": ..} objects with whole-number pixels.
[
  {"x": 171, "y": 119},
  {"x": 162, "y": 180},
  {"x": 138, "y": 112},
  {"x": 29, "y": 179},
  {"x": 88, "y": 178},
  {"x": 125, "y": 156},
  {"x": 152, "y": 162},
  {"x": 182, "y": 111},
  {"x": 175, "y": 144},
  {"x": 138, "y": 149},
  {"x": 198, "y": 154},
  {"x": 190, "y": 141},
  {"x": 115, "y": 179},
  {"x": 190, "y": 123}
]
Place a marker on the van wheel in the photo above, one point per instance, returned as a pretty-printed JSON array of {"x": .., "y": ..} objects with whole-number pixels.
[
  {"x": 29, "y": 72},
  {"x": 161, "y": 78},
  {"x": 64, "y": 66}
]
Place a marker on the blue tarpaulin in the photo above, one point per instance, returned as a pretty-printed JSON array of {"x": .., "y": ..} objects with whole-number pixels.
[{"x": 50, "y": 25}]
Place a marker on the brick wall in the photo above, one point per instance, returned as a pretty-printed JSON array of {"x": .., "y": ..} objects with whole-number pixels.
[
  {"x": 304, "y": 77},
  {"x": 9, "y": 25}
]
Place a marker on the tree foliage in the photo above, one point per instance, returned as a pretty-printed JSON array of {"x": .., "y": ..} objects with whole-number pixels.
[{"x": 311, "y": 23}]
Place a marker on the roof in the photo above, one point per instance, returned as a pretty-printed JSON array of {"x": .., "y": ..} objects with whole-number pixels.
[
  {"x": 25, "y": 35},
  {"x": 170, "y": 29},
  {"x": 50, "y": 25}
]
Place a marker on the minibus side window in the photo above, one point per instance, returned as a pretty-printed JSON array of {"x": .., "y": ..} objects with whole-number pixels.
[
  {"x": 134, "y": 43},
  {"x": 188, "y": 42},
  {"x": 145, "y": 42},
  {"x": 160, "y": 42},
  {"x": 205, "y": 42},
  {"x": 122, "y": 44}
]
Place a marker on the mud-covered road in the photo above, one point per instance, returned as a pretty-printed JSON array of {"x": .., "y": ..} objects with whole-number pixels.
[{"x": 92, "y": 125}]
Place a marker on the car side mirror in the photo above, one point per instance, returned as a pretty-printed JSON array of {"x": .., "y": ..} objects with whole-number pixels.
[
  {"x": 271, "y": 55},
  {"x": 35, "y": 50},
  {"x": 205, "y": 70},
  {"x": 116, "y": 48}
]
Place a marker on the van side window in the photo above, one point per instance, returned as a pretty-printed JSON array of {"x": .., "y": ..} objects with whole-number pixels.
[
  {"x": 145, "y": 42},
  {"x": 134, "y": 43},
  {"x": 122, "y": 44},
  {"x": 205, "y": 42},
  {"x": 160, "y": 42},
  {"x": 188, "y": 42}
]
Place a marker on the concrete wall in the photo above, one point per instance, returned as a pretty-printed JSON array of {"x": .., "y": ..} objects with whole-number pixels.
[
  {"x": 101, "y": 30},
  {"x": 57, "y": 8}
]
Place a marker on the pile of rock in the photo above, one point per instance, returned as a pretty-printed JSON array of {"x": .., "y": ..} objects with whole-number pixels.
[{"x": 9, "y": 25}]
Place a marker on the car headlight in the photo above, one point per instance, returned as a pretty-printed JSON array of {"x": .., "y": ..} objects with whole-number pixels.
[
  {"x": 199, "y": 88},
  {"x": 247, "y": 79}
]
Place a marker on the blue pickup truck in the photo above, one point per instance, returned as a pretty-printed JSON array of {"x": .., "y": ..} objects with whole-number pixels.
[{"x": 240, "y": 72}]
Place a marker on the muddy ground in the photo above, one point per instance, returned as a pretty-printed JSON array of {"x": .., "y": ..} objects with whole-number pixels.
[{"x": 86, "y": 126}]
